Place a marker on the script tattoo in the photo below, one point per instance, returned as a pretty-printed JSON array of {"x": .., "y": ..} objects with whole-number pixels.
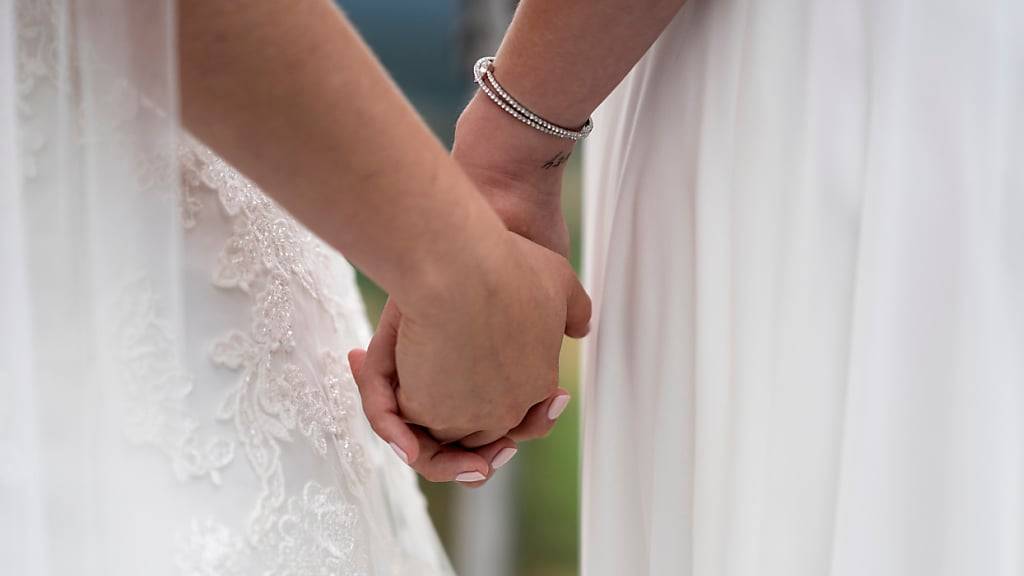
[{"x": 558, "y": 160}]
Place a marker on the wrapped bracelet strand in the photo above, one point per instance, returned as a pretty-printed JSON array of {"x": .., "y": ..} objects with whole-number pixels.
[{"x": 483, "y": 74}]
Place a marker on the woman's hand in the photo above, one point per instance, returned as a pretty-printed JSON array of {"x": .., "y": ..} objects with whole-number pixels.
[
  {"x": 519, "y": 171},
  {"x": 475, "y": 362}
]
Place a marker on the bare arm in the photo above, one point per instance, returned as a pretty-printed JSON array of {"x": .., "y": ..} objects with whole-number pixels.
[
  {"x": 289, "y": 94},
  {"x": 561, "y": 59}
]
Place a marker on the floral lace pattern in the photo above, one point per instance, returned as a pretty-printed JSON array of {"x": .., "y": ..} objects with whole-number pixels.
[
  {"x": 270, "y": 259},
  {"x": 157, "y": 388},
  {"x": 312, "y": 537},
  {"x": 210, "y": 549}
]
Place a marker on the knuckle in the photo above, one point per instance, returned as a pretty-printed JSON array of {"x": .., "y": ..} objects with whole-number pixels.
[
  {"x": 383, "y": 433},
  {"x": 375, "y": 423},
  {"x": 510, "y": 417},
  {"x": 507, "y": 420},
  {"x": 438, "y": 427},
  {"x": 422, "y": 413}
]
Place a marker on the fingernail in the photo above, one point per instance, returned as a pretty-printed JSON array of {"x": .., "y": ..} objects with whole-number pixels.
[
  {"x": 401, "y": 453},
  {"x": 470, "y": 477},
  {"x": 558, "y": 406},
  {"x": 503, "y": 457}
]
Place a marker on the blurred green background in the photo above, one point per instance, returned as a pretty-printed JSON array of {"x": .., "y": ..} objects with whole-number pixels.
[{"x": 526, "y": 520}]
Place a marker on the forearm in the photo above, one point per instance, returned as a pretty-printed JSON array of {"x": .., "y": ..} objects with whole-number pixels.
[
  {"x": 561, "y": 60},
  {"x": 289, "y": 94}
]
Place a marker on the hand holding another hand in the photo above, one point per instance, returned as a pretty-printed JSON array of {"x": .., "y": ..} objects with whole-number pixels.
[
  {"x": 474, "y": 362},
  {"x": 453, "y": 387}
]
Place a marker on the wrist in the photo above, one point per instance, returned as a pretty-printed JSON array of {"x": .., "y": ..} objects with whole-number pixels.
[
  {"x": 459, "y": 285},
  {"x": 455, "y": 254},
  {"x": 511, "y": 165},
  {"x": 489, "y": 140}
]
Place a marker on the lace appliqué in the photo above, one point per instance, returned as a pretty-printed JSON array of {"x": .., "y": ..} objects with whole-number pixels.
[
  {"x": 279, "y": 394},
  {"x": 268, "y": 256},
  {"x": 314, "y": 536},
  {"x": 210, "y": 549},
  {"x": 285, "y": 395},
  {"x": 157, "y": 388}
]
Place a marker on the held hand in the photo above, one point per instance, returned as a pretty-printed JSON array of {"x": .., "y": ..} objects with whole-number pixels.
[
  {"x": 433, "y": 460},
  {"x": 479, "y": 363}
]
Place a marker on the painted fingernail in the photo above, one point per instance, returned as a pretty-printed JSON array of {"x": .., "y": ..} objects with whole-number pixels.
[
  {"x": 470, "y": 477},
  {"x": 558, "y": 406},
  {"x": 401, "y": 453},
  {"x": 503, "y": 457}
]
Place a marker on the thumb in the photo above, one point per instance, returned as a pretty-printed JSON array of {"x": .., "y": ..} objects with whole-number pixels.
[
  {"x": 356, "y": 357},
  {"x": 578, "y": 309}
]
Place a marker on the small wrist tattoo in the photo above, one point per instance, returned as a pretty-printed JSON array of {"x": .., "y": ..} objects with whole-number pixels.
[{"x": 558, "y": 160}]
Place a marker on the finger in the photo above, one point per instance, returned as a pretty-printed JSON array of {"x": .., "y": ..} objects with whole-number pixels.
[
  {"x": 497, "y": 453},
  {"x": 445, "y": 463},
  {"x": 381, "y": 410},
  {"x": 578, "y": 309},
  {"x": 374, "y": 374},
  {"x": 381, "y": 350},
  {"x": 356, "y": 357},
  {"x": 541, "y": 418}
]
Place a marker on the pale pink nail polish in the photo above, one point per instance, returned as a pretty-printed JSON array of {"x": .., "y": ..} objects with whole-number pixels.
[
  {"x": 503, "y": 457},
  {"x": 470, "y": 477},
  {"x": 558, "y": 406},
  {"x": 401, "y": 453}
]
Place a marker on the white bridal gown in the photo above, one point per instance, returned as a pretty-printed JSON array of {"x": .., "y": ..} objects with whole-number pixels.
[
  {"x": 805, "y": 237},
  {"x": 174, "y": 394}
]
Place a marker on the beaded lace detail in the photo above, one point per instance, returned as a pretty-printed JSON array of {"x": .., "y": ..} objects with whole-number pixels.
[
  {"x": 275, "y": 263},
  {"x": 312, "y": 537}
]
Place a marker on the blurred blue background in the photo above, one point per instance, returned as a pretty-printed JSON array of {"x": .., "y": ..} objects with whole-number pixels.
[
  {"x": 421, "y": 44},
  {"x": 525, "y": 521}
]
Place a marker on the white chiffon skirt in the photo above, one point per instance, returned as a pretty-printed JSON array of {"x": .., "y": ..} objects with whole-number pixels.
[{"x": 805, "y": 238}]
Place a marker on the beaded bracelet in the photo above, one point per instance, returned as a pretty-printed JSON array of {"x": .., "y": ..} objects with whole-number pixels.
[{"x": 483, "y": 74}]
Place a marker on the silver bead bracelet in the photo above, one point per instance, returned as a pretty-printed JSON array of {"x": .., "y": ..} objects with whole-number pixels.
[{"x": 483, "y": 74}]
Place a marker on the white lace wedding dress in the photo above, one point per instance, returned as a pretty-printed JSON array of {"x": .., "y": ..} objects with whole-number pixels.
[{"x": 175, "y": 394}]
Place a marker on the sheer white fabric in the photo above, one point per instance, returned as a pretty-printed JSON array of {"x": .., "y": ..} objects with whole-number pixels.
[
  {"x": 805, "y": 237},
  {"x": 174, "y": 397}
]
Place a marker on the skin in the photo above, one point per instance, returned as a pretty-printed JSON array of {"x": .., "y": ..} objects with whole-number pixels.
[
  {"x": 290, "y": 95},
  {"x": 560, "y": 59}
]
